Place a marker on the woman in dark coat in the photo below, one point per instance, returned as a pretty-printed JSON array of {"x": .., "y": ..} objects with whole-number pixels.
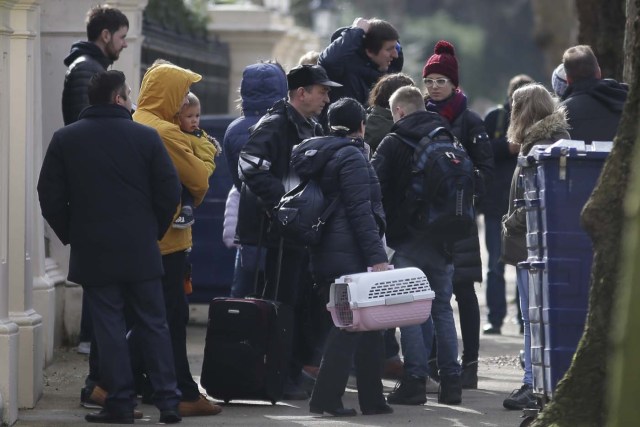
[
  {"x": 351, "y": 242},
  {"x": 440, "y": 76}
]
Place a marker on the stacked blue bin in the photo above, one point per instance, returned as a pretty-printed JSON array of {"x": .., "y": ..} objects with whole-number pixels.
[{"x": 557, "y": 181}]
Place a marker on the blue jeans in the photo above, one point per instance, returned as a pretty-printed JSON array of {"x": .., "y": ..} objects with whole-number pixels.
[
  {"x": 496, "y": 296},
  {"x": 417, "y": 340},
  {"x": 523, "y": 281},
  {"x": 245, "y": 270}
]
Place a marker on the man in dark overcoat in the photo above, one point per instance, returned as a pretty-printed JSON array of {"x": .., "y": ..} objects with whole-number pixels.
[{"x": 109, "y": 189}]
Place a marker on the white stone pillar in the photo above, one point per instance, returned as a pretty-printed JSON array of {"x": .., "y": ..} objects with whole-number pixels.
[
  {"x": 62, "y": 24},
  {"x": 22, "y": 76},
  {"x": 8, "y": 329}
]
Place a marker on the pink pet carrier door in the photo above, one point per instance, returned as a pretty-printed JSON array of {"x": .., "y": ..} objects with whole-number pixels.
[{"x": 380, "y": 300}]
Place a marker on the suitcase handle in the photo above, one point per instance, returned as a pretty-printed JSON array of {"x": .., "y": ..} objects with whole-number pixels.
[{"x": 398, "y": 299}]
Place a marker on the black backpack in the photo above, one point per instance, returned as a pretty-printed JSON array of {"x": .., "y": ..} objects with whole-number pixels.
[
  {"x": 302, "y": 212},
  {"x": 440, "y": 195}
]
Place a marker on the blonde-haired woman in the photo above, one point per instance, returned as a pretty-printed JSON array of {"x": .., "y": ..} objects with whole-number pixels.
[{"x": 536, "y": 119}]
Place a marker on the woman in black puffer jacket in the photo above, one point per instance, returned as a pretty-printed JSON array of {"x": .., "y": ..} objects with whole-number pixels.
[{"x": 351, "y": 242}]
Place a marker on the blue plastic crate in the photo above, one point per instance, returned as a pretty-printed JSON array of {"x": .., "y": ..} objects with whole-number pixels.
[{"x": 565, "y": 177}]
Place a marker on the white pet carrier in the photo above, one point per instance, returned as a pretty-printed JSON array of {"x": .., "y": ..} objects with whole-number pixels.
[{"x": 380, "y": 300}]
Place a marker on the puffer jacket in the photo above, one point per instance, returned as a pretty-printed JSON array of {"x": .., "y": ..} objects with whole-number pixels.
[
  {"x": 514, "y": 223},
  {"x": 263, "y": 167},
  {"x": 161, "y": 95},
  {"x": 347, "y": 63},
  {"x": 262, "y": 85},
  {"x": 351, "y": 237},
  {"x": 468, "y": 127},
  {"x": 594, "y": 108},
  {"x": 83, "y": 62},
  {"x": 393, "y": 162},
  {"x": 379, "y": 122}
]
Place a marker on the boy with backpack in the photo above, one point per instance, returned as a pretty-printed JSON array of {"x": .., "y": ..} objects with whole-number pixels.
[{"x": 415, "y": 209}]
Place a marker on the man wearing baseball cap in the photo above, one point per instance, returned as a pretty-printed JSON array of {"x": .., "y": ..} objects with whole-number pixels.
[{"x": 263, "y": 167}]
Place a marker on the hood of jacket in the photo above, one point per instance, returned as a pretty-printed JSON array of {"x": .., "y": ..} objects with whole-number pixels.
[
  {"x": 552, "y": 128},
  {"x": 608, "y": 92},
  {"x": 262, "y": 85},
  {"x": 87, "y": 48},
  {"x": 309, "y": 158},
  {"x": 163, "y": 89},
  {"x": 418, "y": 124}
]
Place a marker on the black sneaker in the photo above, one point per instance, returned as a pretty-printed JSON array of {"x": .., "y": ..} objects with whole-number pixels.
[
  {"x": 469, "y": 375},
  {"x": 409, "y": 391},
  {"x": 185, "y": 219},
  {"x": 521, "y": 398},
  {"x": 450, "y": 391}
]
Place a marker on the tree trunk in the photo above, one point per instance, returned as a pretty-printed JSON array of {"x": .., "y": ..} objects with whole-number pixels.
[
  {"x": 602, "y": 27},
  {"x": 555, "y": 29},
  {"x": 629, "y": 41},
  {"x": 578, "y": 399}
]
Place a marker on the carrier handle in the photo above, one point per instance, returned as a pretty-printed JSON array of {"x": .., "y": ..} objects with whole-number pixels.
[{"x": 398, "y": 299}]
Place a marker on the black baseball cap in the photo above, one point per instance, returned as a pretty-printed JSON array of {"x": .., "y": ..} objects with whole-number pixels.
[{"x": 307, "y": 75}]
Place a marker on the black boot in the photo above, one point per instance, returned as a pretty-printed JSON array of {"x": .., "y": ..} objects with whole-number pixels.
[
  {"x": 409, "y": 391},
  {"x": 469, "y": 376},
  {"x": 450, "y": 391}
]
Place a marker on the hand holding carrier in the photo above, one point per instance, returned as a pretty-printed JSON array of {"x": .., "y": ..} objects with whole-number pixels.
[{"x": 380, "y": 300}]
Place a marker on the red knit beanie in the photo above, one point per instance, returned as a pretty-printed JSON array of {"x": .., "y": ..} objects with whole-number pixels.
[{"x": 443, "y": 61}]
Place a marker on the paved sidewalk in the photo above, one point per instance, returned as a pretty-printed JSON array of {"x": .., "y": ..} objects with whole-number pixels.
[{"x": 499, "y": 374}]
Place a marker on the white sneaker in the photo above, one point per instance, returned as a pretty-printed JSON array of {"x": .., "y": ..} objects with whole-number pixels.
[{"x": 84, "y": 347}]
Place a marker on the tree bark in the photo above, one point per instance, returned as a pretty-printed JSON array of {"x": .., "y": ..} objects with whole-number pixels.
[
  {"x": 578, "y": 398},
  {"x": 629, "y": 40},
  {"x": 602, "y": 27}
]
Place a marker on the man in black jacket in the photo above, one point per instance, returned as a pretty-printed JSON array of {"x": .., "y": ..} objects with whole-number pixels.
[
  {"x": 109, "y": 189},
  {"x": 392, "y": 162},
  {"x": 107, "y": 29},
  {"x": 594, "y": 105},
  {"x": 263, "y": 166}
]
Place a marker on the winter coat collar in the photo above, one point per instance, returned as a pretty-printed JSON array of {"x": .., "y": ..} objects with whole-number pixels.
[
  {"x": 608, "y": 92},
  {"x": 81, "y": 48},
  {"x": 551, "y": 128},
  {"x": 107, "y": 110}
]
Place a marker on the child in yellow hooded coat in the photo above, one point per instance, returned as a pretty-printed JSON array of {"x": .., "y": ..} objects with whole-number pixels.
[{"x": 205, "y": 147}]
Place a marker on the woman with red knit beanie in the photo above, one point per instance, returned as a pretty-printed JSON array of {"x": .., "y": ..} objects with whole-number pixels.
[{"x": 443, "y": 96}]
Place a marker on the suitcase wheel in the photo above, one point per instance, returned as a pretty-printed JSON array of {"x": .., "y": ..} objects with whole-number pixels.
[
  {"x": 527, "y": 421},
  {"x": 226, "y": 400},
  {"x": 273, "y": 402}
]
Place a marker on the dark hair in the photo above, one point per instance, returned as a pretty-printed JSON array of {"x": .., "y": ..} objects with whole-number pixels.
[
  {"x": 345, "y": 116},
  {"x": 104, "y": 17},
  {"x": 384, "y": 88},
  {"x": 105, "y": 85},
  {"x": 580, "y": 63},
  {"x": 379, "y": 32}
]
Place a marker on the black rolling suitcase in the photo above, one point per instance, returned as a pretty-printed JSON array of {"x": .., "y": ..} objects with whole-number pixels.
[{"x": 247, "y": 347}]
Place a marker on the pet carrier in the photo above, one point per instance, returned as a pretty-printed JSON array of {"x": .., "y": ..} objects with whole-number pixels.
[{"x": 380, "y": 300}]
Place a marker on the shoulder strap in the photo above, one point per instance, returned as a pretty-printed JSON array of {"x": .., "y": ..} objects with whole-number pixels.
[
  {"x": 404, "y": 140},
  {"x": 500, "y": 122}
]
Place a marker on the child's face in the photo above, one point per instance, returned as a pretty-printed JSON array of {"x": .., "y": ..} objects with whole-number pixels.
[{"x": 189, "y": 118}]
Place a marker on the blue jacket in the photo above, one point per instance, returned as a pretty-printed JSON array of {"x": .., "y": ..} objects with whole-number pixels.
[
  {"x": 262, "y": 85},
  {"x": 108, "y": 188},
  {"x": 351, "y": 237}
]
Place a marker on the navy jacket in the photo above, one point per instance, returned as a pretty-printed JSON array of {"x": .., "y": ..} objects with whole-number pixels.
[
  {"x": 351, "y": 238},
  {"x": 84, "y": 60},
  {"x": 262, "y": 85},
  {"x": 347, "y": 63},
  {"x": 594, "y": 108},
  {"x": 108, "y": 188}
]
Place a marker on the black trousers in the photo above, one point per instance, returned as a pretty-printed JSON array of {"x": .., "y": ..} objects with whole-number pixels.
[
  {"x": 177, "y": 308},
  {"x": 145, "y": 301},
  {"x": 366, "y": 351}
]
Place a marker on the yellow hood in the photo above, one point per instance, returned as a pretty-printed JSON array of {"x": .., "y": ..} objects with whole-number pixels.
[{"x": 160, "y": 98}]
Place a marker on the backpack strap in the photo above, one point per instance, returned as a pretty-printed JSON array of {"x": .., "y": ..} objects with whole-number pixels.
[{"x": 327, "y": 213}]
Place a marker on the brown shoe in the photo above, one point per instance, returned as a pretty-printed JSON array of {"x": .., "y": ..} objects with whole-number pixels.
[
  {"x": 200, "y": 407},
  {"x": 99, "y": 396},
  {"x": 393, "y": 369}
]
